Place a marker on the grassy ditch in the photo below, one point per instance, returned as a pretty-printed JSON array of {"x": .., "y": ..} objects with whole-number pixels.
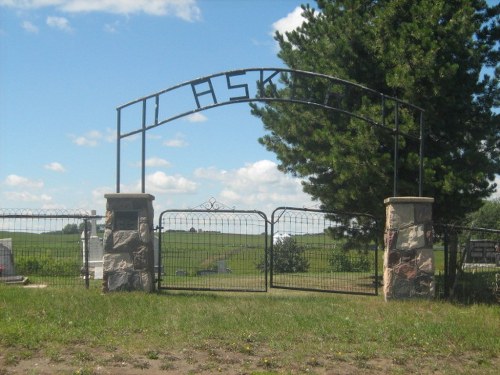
[{"x": 82, "y": 331}]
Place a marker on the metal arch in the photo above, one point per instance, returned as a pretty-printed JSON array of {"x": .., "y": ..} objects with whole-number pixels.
[{"x": 265, "y": 81}]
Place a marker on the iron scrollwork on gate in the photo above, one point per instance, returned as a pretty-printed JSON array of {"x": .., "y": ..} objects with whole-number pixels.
[{"x": 213, "y": 205}]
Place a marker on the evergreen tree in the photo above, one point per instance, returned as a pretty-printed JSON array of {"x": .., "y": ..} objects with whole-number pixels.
[
  {"x": 427, "y": 52},
  {"x": 488, "y": 216}
]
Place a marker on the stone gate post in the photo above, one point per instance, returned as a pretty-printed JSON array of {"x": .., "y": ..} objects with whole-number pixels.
[
  {"x": 408, "y": 255},
  {"x": 128, "y": 262}
]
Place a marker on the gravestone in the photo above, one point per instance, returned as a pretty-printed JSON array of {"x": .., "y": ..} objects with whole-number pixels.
[
  {"x": 222, "y": 266},
  {"x": 6, "y": 258},
  {"x": 96, "y": 250},
  {"x": 481, "y": 251},
  {"x": 156, "y": 248}
]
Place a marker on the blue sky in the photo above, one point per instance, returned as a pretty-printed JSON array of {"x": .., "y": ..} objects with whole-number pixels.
[{"x": 67, "y": 64}]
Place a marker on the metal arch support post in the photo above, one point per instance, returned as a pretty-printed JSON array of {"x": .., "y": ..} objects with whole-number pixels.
[
  {"x": 118, "y": 151},
  {"x": 421, "y": 166},
  {"x": 143, "y": 151},
  {"x": 396, "y": 152}
]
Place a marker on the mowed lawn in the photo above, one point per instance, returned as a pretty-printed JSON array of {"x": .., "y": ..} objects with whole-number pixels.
[{"x": 70, "y": 330}]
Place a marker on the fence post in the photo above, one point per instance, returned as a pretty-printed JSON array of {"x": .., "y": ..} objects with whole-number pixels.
[
  {"x": 446, "y": 270},
  {"x": 269, "y": 255},
  {"x": 160, "y": 264},
  {"x": 452, "y": 264},
  {"x": 86, "y": 247}
]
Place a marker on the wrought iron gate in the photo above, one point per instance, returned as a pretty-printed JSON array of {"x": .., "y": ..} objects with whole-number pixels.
[
  {"x": 213, "y": 248},
  {"x": 324, "y": 251}
]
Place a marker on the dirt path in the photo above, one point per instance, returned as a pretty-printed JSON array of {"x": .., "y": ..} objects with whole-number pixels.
[{"x": 229, "y": 362}]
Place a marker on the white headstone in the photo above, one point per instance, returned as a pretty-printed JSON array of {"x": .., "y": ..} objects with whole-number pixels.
[
  {"x": 156, "y": 249},
  {"x": 96, "y": 250},
  {"x": 6, "y": 257},
  {"x": 93, "y": 226}
]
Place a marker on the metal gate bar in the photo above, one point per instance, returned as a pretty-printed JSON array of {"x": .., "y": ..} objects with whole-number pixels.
[
  {"x": 323, "y": 251},
  {"x": 208, "y": 249}
]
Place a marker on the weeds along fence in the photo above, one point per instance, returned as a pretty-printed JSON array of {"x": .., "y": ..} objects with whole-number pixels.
[
  {"x": 471, "y": 263},
  {"x": 48, "y": 247}
]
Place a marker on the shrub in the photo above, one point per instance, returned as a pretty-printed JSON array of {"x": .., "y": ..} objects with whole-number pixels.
[
  {"x": 288, "y": 257},
  {"x": 344, "y": 261},
  {"x": 47, "y": 266}
]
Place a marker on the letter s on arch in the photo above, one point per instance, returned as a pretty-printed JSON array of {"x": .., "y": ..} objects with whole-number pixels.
[{"x": 240, "y": 86}]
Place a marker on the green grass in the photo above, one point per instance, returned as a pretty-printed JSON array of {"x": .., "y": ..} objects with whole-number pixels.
[{"x": 276, "y": 332}]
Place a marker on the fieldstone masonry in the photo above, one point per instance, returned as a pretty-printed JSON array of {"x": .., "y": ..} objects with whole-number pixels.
[
  {"x": 128, "y": 262},
  {"x": 408, "y": 256}
]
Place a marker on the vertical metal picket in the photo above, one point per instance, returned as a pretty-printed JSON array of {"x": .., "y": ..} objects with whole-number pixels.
[{"x": 86, "y": 247}]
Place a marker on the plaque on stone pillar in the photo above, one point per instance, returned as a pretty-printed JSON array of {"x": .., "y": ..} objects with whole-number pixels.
[
  {"x": 126, "y": 220},
  {"x": 128, "y": 262}
]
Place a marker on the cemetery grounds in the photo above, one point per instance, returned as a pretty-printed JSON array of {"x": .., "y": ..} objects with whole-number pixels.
[{"x": 66, "y": 329}]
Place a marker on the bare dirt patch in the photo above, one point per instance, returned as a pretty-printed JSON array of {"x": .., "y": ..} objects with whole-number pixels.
[{"x": 219, "y": 361}]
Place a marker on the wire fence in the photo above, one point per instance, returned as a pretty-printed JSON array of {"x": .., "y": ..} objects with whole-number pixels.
[
  {"x": 49, "y": 247},
  {"x": 64, "y": 248},
  {"x": 471, "y": 263}
]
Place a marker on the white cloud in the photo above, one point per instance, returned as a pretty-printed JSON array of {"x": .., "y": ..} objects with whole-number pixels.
[
  {"x": 59, "y": 23},
  {"x": 184, "y": 9},
  {"x": 55, "y": 166},
  {"x": 112, "y": 27},
  {"x": 196, "y": 117},
  {"x": 211, "y": 173},
  {"x": 263, "y": 171},
  {"x": 289, "y": 23},
  {"x": 98, "y": 199},
  {"x": 154, "y": 163},
  {"x": 258, "y": 185},
  {"x": 177, "y": 142},
  {"x": 23, "y": 196},
  {"x": 29, "y": 4},
  {"x": 160, "y": 182},
  {"x": 157, "y": 162},
  {"x": 90, "y": 139},
  {"x": 29, "y": 27},
  {"x": 23, "y": 182},
  {"x": 52, "y": 206},
  {"x": 83, "y": 141}
]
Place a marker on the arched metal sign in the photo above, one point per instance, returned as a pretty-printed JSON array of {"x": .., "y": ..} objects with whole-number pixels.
[{"x": 263, "y": 85}]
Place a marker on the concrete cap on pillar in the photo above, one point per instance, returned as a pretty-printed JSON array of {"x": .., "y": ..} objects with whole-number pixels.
[{"x": 392, "y": 200}]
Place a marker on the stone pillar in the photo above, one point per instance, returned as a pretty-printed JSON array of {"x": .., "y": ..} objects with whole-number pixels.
[
  {"x": 408, "y": 256},
  {"x": 128, "y": 262}
]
